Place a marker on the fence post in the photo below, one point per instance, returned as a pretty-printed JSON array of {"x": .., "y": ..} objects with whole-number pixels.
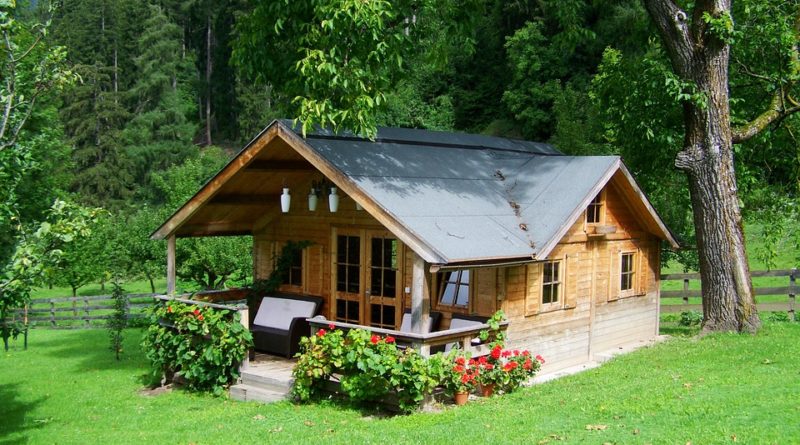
[
  {"x": 244, "y": 319},
  {"x": 685, "y": 291},
  {"x": 86, "y": 310},
  {"x": 52, "y": 313},
  {"x": 792, "y": 293}
]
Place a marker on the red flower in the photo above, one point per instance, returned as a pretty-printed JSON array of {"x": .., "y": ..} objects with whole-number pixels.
[
  {"x": 374, "y": 339},
  {"x": 526, "y": 353},
  {"x": 516, "y": 353},
  {"x": 321, "y": 333},
  {"x": 389, "y": 339},
  {"x": 506, "y": 353},
  {"x": 488, "y": 366},
  {"x": 496, "y": 352},
  {"x": 482, "y": 360},
  {"x": 460, "y": 361},
  {"x": 331, "y": 326},
  {"x": 169, "y": 309},
  {"x": 528, "y": 364},
  {"x": 458, "y": 368},
  {"x": 540, "y": 359},
  {"x": 200, "y": 317},
  {"x": 196, "y": 312},
  {"x": 465, "y": 378},
  {"x": 473, "y": 362}
]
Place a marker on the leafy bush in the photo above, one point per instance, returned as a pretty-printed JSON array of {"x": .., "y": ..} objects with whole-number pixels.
[
  {"x": 118, "y": 320},
  {"x": 202, "y": 344},
  {"x": 778, "y": 317},
  {"x": 370, "y": 368},
  {"x": 691, "y": 318}
]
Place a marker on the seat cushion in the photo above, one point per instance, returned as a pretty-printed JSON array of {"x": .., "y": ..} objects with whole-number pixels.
[
  {"x": 405, "y": 324},
  {"x": 279, "y": 312}
]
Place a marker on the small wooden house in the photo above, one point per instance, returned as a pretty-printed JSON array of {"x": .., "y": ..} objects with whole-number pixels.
[{"x": 567, "y": 246}]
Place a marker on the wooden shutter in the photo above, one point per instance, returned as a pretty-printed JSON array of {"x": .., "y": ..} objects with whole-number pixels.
[
  {"x": 533, "y": 291},
  {"x": 312, "y": 269},
  {"x": 484, "y": 281},
  {"x": 570, "y": 277},
  {"x": 614, "y": 274}
]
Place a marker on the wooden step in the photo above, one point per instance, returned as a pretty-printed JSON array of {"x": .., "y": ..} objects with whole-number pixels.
[
  {"x": 247, "y": 393},
  {"x": 271, "y": 383}
]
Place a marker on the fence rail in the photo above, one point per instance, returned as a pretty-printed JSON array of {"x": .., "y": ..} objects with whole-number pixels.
[
  {"x": 790, "y": 291},
  {"x": 80, "y": 311}
]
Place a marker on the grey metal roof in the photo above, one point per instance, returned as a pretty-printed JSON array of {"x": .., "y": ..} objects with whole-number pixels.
[{"x": 459, "y": 193}]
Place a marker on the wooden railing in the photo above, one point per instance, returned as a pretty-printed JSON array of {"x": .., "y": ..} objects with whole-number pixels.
[
  {"x": 790, "y": 291},
  {"x": 465, "y": 337}
]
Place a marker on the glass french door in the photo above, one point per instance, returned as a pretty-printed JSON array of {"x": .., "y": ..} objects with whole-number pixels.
[{"x": 367, "y": 277}]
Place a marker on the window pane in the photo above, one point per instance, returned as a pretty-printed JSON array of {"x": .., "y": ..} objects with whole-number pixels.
[
  {"x": 464, "y": 276},
  {"x": 448, "y": 294},
  {"x": 341, "y": 278},
  {"x": 393, "y": 256},
  {"x": 353, "y": 250},
  {"x": 352, "y": 311},
  {"x": 463, "y": 295},
  {"x": 389, "y": 279},
  {"x": 341, "y": 310},
  {"x": 388, "y": 316},
  {"x": 375, "y": 285},
  {"x": 375, "y": 315},
  {"x": 341, "y": 249},
  {"x": 377, "y": 252},
  {"x": 353, "y": 279},
  {"x": 548, "y": 272}
]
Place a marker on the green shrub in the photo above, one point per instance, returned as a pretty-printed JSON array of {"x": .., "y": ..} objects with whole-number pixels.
[
  {"x": 370, "y": 368},
  {"x": 118, "y": 320},
  {"x": 202, "y": 344},
  {"x": 691, "y": 318},
  {"x": 778, "y": 317}
]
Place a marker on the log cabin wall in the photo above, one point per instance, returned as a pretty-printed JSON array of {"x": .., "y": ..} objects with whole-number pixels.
[{"x": 593, "y": 314}]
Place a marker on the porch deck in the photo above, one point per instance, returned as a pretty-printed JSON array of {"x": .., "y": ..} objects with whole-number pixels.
[{"x": 267, "y": 378}]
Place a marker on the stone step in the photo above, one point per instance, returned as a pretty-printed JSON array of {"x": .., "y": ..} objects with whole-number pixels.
[
  {"x": 248, "y": 393},
  {"x": 266, "y": 382}
]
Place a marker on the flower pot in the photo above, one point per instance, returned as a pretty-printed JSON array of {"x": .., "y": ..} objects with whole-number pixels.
[
  {"x": 487, "y": 389},
  {"x": 461, "y": 397}
]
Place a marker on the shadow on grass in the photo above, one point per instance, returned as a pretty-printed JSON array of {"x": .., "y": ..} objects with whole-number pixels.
[
  {"x": 678, "y": 330},
  {"x": 90, "y": 349},
  {"x": 13, "y": 413}
]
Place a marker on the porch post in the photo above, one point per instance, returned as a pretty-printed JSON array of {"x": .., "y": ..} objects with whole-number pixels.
[
  {"x": 171, "y": 265},
  {"x": 420, "y": 299}
]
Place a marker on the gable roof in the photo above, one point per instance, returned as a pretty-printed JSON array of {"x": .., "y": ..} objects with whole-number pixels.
[{"x": 453, "y": 198}]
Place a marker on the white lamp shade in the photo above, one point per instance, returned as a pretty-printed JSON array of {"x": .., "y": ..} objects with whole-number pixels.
[
  {"x": 286, "y": 200},
  {"x": 312, "y": 201},
  {"x": 333, "y": 200}
]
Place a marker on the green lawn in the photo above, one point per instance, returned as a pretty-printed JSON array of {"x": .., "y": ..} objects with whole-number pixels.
[{"x": 66, "y": 388}]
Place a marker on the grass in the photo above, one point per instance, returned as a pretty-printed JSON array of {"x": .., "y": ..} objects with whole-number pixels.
[{"x": 67, "y": 388}]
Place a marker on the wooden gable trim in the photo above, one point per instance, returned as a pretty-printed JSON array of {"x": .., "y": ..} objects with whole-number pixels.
[
  {"x": 346, "y": 185},
  {"x": 642, "y": 201},
  {"x": 214, "y": 184},
  {"x": 545, "y": 251}
]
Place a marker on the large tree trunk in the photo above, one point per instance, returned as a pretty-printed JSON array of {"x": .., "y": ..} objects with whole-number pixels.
[{"x": 701, "y": 59}]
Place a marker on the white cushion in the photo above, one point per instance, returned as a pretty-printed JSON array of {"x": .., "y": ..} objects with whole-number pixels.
[
  {"x": 405, "y": 324},
  {"x": 279, "y": 312},
  {"x": 458, "y": 323}
]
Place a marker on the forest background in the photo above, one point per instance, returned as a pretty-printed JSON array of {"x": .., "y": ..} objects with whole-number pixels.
[{"x": 145, "y": 100}]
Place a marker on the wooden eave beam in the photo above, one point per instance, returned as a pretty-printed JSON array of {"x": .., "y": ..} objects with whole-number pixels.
[
  {"x": 261, "y": 165},
  {"x": 245, "y": 199}
]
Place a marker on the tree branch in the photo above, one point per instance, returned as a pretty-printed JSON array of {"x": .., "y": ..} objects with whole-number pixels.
[
  {"x": 672, "y": 24},
  {"x": 776, "y": 112}
]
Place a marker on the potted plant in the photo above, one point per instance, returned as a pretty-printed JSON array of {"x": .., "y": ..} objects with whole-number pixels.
[
  {"x": 505, "y": 370},
  {"x": 461, "y": 379}
]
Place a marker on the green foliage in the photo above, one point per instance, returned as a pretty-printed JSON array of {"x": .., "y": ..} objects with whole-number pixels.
[
  {"x": 204, "y": 345},
  {"x": 119, "y": 319},
  {"x": 370, "y": 368},
  {"x": 289, "y": 253},
  {"x": 38, "y": 251},
  {"x": 691, "y": 318}
]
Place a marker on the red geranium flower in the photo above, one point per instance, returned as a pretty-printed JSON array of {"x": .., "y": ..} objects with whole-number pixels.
[
  {"x": 331, "y": 326},
  {"x": 196, "y": 312},
  {"x": 389, "y": 339},
  {"x": 528, "y": 364},
  {"x": 496, "y": 352},
  {"x": 540, "y": 359},
  {"x": 374, "y": 339},
  {"x": 506, "y": 353},
  {"x": 460, "y": 361},
  {"x": 526, "y": 353},
  {"x": 516, "y": 353},
  {"x": 200, "y": 317},
  {"x": 169, "y": 309},
  {"x": 321, "y": 333},
  {"x": 482, "y": 360}
]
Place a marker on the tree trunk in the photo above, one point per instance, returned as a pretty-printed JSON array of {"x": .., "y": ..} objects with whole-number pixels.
[
  {"x": 701, "y": 58},
  {"x": 208, "y": 78}
]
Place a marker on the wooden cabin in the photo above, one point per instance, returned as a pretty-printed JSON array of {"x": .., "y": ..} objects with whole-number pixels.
[{"x": 568, "y": 247}]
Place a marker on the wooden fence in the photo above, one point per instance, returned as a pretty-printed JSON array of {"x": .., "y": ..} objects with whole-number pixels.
[
  {"x": 790, "y": 291},
  {"x": 81, "y": 311}
]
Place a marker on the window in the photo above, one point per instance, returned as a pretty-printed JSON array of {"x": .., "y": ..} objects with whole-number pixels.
[
  {"x": 627, "y": 272},
  {"x": 294, "y": 276},
  {"x": 551, "y": 282},
  {"x": 454, "y": 288},
  {"x": 594, "y": 211}
]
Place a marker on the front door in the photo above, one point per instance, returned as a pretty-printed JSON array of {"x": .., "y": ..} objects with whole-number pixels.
[{"x": 367, "y": 274}]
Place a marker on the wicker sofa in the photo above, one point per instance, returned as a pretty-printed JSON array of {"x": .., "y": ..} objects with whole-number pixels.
[{"x": 281, "y": 321}]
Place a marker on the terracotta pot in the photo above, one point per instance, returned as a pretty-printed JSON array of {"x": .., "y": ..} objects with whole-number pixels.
[
  {"x": 487, "y": 389},
  {"x": 461, "y": 397}
]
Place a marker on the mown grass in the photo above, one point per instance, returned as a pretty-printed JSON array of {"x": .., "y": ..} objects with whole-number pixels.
[{"x": 67, "y": 388}]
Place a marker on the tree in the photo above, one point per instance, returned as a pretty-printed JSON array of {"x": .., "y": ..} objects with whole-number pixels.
[
  {"x": 698, "y": 44},
  {"x": 338, "y": 58}
]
